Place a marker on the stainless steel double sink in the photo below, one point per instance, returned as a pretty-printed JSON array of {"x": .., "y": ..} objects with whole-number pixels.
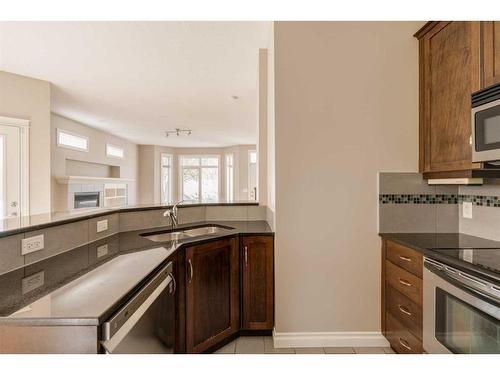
[{"x": 184, "y": 233}]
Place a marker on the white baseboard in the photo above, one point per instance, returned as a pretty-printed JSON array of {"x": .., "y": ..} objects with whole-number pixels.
[{"x": 328, "y": 339}]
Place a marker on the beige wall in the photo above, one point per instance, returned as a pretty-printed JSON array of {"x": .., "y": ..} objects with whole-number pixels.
[
  {"x": 346, "y": 107},
  {"x": 262, "y": 129},
  {"x": 96, "y": 154},
  {"x": 29, "y": 98}
]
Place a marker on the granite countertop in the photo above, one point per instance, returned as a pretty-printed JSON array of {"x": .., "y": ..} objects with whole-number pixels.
[
  {"x": 10, "y": 226},
  {"x": 81, "y": 288},
  {"x": 476, "y": 255}
]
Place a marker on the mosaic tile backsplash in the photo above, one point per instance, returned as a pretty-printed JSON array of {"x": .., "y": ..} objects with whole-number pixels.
[{"x": 477, "y": 200}]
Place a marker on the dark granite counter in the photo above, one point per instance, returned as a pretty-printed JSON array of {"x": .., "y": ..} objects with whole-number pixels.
[
  {"x": 84, "y": 286},
  {"x": 10, "y": 226},
  {"x": 477, "y": 255}
]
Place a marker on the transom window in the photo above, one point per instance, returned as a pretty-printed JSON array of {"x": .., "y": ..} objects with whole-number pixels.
[
  {"x": 114, "y": 151},
  {"x": 72, "y": 140},
  {"x": 199, "y": 178}
]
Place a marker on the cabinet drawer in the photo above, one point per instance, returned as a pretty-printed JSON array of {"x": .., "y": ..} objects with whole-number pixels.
[
  {"x": 405, "y": 310},
  {"x": 405, "y": 257},
  {"x": 404, "y": 282},
  {"x": 401, "y": 340}
]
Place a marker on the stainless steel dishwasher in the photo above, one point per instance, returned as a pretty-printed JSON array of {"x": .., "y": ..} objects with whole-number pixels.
[{"x": 146, "y": 323}]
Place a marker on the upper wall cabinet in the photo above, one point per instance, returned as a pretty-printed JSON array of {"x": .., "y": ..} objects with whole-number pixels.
[
  {"x": 449, "y": 71},
  {"x": 491, "y": 52}
]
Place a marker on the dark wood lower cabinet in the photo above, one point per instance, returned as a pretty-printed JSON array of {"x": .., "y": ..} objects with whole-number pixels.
[
  {"x": 212, "y": 294},
  {"x": 257, "y": 269}
]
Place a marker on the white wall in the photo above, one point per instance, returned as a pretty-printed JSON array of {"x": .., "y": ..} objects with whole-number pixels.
[
  {"x": 29, "y": 98},
  {"x": 96, "y": 154},
  {"x": 346, "y": 107}
]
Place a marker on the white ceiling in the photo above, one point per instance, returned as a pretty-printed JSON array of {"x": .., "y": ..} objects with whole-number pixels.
[{"x": 137, "y": 79}]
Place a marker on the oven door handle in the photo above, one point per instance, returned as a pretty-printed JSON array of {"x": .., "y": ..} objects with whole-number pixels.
[{"x": 119, "y": 325}]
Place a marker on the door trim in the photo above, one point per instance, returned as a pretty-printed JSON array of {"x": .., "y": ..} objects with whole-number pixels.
[{"x": 24, "y": 134}]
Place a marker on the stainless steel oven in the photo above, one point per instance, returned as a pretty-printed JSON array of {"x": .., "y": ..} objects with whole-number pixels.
[
  {"x": 461, "y": 311},
  {"x": 485, "y": 139},
  {"x": 146, "y": 323}
]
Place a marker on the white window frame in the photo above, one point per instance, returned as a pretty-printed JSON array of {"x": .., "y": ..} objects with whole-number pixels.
[
  {"x": 170, "y": 173},
  {"x": 116, "y": 147},
  {"x": 24, "y": 127},
  {"x": 249, "y": 173},
  {"x": 229, "y": 184},
  {"x": 199, "y": 167},
  {"x": 59, "y": 130}
]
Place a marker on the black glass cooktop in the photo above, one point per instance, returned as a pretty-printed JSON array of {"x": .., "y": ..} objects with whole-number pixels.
[{"x": 488, "y": 258}]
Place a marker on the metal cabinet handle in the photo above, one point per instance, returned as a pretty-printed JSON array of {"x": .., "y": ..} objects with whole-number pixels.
[
  {"x": 190, "y": 271},
  {"x": 404, "y": 282},
  {"x": 404, "y": 310},
  {"x": 405, "y": 344},
  {"x": 406, "y": 259},
  {"x": 246, "y": 256},
  {"x": 172, "y": 291}
]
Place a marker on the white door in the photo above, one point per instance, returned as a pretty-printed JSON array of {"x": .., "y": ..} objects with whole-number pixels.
[
  {"x": 252, "y": 175},
  {"x": 10, "y": 171}
]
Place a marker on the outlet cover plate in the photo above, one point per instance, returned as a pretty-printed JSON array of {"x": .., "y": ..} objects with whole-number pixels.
[
  {"x": 102, "y": 225},
  {"x": 467, "y": 210},
  {"x": 102, "y": 250},
  {"x": 33, "y": 282},
  {"x": 32, "y": 244}
]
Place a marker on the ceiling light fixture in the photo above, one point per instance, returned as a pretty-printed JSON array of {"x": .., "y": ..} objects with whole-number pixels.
[{"x": 178, "y": 132}]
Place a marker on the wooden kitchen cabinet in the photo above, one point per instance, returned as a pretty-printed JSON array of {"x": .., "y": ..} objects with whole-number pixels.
[
  {"x": 257, "y": 268},
  {"x": 491, "y": 52},
  {"x": 402, "y": 294},
  {"x": 449, "y": 72},
  {"x": 212, "y": 294}
]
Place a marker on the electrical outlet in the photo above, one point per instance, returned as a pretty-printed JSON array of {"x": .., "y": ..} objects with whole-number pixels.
[
  {"x": 102, "y": 225},
  {"x": 33, "y": 282},
  {"x": 32, "y": 244},
  {"x": 467, "y": 210},
  {"x": 102, "y": 250}
]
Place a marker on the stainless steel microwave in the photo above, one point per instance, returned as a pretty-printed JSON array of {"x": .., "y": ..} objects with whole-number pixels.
[{"x": 485, "y": 140}]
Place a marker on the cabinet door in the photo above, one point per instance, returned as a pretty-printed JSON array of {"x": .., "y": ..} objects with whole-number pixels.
[
  {"x": 212, "y": 294},
  {"x": 449, "y": 73},
  {"x": 491, "y": 52},
  {"x": 258, "y": 282}
]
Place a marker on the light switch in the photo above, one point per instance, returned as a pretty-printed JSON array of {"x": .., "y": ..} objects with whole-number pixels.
[
  {"x": 102, "y": 225},
  {"x": 467, "y": 210},
  {"x": 32, "y": 244}
]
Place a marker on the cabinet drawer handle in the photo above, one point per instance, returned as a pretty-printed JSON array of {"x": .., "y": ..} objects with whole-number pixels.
[
  {"x": 246, "y": 256},
  {"x": 406, "y": 259},
  {"x": 190, "y": 271},
  {"x": 405, "y": 344},
  {"x": 404, "y": 310},
  {"x": 404, "y": 282}
]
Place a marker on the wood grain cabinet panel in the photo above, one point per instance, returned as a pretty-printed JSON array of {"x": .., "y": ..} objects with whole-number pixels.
[
  {"x": 491, "y": 52},
  {"x": 449, "y": 73},
  {"x": 257, "y": 261},
  {"x": 401, "y": 340},
  {"x": 404, "y": 282},
  {"x": 405, "y": 310},
  {"x": 212, "y": 294},
  {"x": 405, "y": 257}
]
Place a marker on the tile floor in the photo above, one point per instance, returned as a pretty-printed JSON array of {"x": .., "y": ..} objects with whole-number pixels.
[{"x": 264, "y": 345}]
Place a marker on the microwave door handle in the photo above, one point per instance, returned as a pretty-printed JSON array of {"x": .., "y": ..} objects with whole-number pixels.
[{"x": 111, "y": 344}]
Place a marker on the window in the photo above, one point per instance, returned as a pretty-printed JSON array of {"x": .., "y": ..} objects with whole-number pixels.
[
  {"x": 200, "y": 178},
  {"x": 166, "y": 179},
  {"x": 72, "y": 141},
  {"x": 114, "y": 151},
  {"x": 230, "y": 177}
]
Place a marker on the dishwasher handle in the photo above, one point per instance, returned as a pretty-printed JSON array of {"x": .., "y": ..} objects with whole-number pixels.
[{"x": 117, "y": 327}]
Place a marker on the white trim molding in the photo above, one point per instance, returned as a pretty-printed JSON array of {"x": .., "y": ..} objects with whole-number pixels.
[{"x": 328, "y": 339}]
